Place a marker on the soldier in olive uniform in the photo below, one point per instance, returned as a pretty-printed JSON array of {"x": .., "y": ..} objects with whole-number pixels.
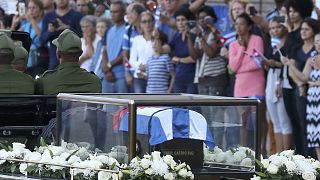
[
  {"x": 12, "y": 81},
  {"x": 20, "y": 59},
  {"x": 68, "y": 77}
]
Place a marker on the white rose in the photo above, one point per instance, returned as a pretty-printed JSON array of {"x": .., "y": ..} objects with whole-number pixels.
[
  {"x": 308, "y": 175},
  {"x": 183, "y": 173},
  {"x": 210, "y": 157},
  {"x": 298, "y": 157},
  {"x": 56, "y": 150},
  {"x": 34, "y": 156},
  {"x": 46, "y": 157},
  {"x": 59, "y": 161},
  {"x": 102, "y": 175},
  {"x": 239, "y": 156},
  {"x": 221, "y": 157},
  {"x": 18, "y": 147},
  {"x": 217, "y": 150},
  {"x": 272, "y": 169},
  {"x": 180, "y": 166},
  {"x": 22, "y": 168},
  {"x": 316, "y": 164},
  {"x": 73, "y": 159},
  {"x": 149, "y": 171},
  {"x": 3, "y": 155},
  {"x": 169, "y": 176},
  {"x": 255, "y": 178},
  {"x": 156, "y": 155},
  {"x": 291, "y": 166},
  {"x": 145, "y": 163},
  {"x": 168, "y": 159},
  {"x": 147, "y": 156},
  {"x": 231, "y": 160},
  {"x": 189, "y": 174},
  {"x": 246, "y": 162},
  {"x": 287, "y": 153}
]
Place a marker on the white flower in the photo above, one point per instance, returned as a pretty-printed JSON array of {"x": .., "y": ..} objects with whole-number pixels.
[
  {"x": 82, "y": 153},
  {"x": 217, "y": 150},
  {"x": 265, "y": 163},
  {"x": 190, "y": 174},
  {"x": 56, "y": 150},
  {"x": 287, "y": 153},
  {"x": 34, "y": 156},
  {"x": 169, "y": 160},
  {"x": 22, "y": 168},
  {"x": 221, "y": 157},
  {"x": 147, "y": 156},
  {"x": 18, "y": 147},
  {"x": 210, "y": 157},
  {"x": 278, "y": 160},
  {"x": 145, "y": 163},
  {"x": 169, "y": 176},
  {"x": 159, "y": 167},
  {"x": 3, "y": 155},
  {"x": 316, "y": 164},
  {"x": 230, "y": 160},
  {"x": 73, "y": 159},
  {"x": 58, "y": 160},
  {"x": 255, "y": 178},
  {"x": 272, "y": 169},
  {"x": 149, "y": 171},
  {"x": 65, "y": 155},
  {"x": 180, "y": 166},
  {"x": 156, "y": 155},
  {"x": 246, "y": 162},
  {"x": 102, "y": 175},
  {"x": 183, "y": 173},
  {"x": 308, "y": 175},
  {"x": 303, "y": 166},
  {"x": 112, "y": 161},
  {"x": 239, "y": 156},
  {"x": 298, "y": 157},
  {"x": 46, "y": 157},
  {"x": 291, "y": 166}
]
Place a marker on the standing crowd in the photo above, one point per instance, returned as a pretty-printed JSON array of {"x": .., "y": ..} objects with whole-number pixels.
[{"x": 174, "y": 46}]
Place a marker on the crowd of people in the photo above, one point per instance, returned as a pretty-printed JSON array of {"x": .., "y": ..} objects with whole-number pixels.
[{"x": 177, "y": 46}]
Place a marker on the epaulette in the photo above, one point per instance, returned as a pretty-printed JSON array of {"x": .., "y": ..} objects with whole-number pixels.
[
  {"x": 48, "y": 72},
  {"x": 91, "y": 72}
]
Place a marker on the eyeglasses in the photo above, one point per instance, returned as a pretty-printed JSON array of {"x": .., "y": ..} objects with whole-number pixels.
[{"x": 147, "y": 21}]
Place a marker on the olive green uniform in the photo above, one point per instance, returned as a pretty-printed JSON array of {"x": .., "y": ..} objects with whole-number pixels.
[
  {"x": 68, "y": 78},
  {"x": 15, "y": 82}
]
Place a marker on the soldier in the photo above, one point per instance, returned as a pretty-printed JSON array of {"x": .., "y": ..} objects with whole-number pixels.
[
  {"x": 12, "y": 81},
  {"x": 68, "y": 76},
  {"x": 20, "y": 59}
]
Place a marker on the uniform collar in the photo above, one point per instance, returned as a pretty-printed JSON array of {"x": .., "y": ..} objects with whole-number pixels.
[
  {"x": 68, "y": 65},
  {"x": 5, "y": 66}
]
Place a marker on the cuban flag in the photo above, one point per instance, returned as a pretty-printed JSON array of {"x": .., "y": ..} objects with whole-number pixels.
[
  {"x": 257, "y": 56},
  {"x": 167, "y": 123},
  {"x": 275, "y": 41},
  {"x": 227, "y": 38}
]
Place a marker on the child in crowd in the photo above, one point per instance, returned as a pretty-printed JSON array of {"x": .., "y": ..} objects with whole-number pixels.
[{"x": 160, "y": 70}]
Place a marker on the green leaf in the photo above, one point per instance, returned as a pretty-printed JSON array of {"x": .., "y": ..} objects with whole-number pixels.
[
  {"x": 13, "y": 168},
  {"x": 51, "y": 153},
  {"x": 4, "y": 147},
  {"x": 10, "y": 148},
  {"x": 42, "y": 142},
  {"x": 259, "y": 163},
  {"x": 63, "y": 173},
  {"x": 31, "y": 168},
  {"x": 74, "y": 152},
  {"x": 261, "y": 174}
]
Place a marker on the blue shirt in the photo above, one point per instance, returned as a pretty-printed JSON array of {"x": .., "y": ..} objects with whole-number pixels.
[
  {"x": 72, "y": 18},
  {"x": 114, "y": 47},
  {"x": 184, "y": 72},
  {"x": 126, "y": 45},
  {"x": 158, "y": 69},
  {"x": 27, "y": 27},
  {"x": 224, "y": 23}
]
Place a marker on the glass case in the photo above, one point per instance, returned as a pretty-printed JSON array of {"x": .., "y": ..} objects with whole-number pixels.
[{"x": 216, "y": 136}]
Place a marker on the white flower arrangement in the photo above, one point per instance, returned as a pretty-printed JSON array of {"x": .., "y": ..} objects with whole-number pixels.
[
  {"x": 49, "y": 161},
  {"x": 286, "y": 165},
  {"x": 156, "y": 167},
  {"x": 242, "y": 156}
]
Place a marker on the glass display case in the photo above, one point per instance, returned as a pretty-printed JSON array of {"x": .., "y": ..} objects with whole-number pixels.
[{"x": 217, "y": 136}]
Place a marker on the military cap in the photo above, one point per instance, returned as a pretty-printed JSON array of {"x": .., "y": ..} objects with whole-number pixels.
[
  {"x": 68, "y": 41},
  {"x": 20, "y": 53},
  {"x": 6, "y": 43}
]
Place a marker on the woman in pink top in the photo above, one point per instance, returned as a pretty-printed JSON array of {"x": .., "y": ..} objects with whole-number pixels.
[{"x": 245, "y": 57}]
